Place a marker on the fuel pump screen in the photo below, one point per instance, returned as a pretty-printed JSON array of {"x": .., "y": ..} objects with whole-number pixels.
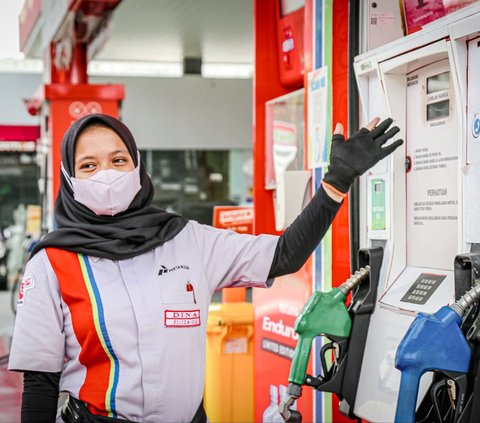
[
  {"x": 440, "y": 82},
  {"x": 438, "y": 110},
  {"x": 438, "y": 103},
  {"x": 423, "y": 288}
]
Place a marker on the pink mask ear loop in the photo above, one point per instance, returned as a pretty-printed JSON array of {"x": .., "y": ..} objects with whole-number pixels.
[{"x": 67, "y": 176}]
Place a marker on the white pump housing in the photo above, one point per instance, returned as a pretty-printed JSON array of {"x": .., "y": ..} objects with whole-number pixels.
[{"x": 422, "y": 203}]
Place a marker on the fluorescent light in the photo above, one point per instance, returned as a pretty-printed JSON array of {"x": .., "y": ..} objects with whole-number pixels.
[
  {"x": 135, "y": 68},
  {"x": 21, "y": 66},
  {"x": 227, "y": 70},
  {"x": 9, "y": 28}
]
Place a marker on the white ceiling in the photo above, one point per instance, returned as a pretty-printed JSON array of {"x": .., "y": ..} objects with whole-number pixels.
[
  {"x": 218, "y": 31},
  {"x": 152, "y": 37}
]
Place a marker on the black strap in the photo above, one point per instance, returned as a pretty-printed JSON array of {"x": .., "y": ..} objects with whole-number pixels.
[
  {"x": 475, "y": 400},
  {"x": 200, "y": 416},
  {"x": 75, "y": 411}
]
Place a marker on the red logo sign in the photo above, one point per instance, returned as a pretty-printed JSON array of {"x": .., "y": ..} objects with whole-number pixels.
[
  {"x": 27, "y": 284},
  {"x": 182, "y": 318},
  {"x": 78, "y": 109}
]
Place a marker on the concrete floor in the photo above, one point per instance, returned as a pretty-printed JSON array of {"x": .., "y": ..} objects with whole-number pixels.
[{"x": 10, "y": 383}]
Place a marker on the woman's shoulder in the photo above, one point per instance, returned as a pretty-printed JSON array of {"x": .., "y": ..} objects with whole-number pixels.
[
  {"x": 38, "y": 258},
  {"x": 50, "y": 256}
]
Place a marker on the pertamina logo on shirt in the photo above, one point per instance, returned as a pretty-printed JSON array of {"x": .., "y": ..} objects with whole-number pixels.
[
  {"x": 164, "y": 269},
  {"x": 182, "y": 318}
]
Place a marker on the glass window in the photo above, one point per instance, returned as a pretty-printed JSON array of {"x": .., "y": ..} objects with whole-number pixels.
[
  {"x": 19, "y": 174},
  {"x": 192, "y": 182},
  {"x": 19, "y": 196}
]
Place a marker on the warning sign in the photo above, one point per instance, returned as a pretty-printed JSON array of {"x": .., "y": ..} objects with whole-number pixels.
[{"x": 234, "y": 218}]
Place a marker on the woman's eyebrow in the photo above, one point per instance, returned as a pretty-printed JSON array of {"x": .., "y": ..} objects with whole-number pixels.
[
  {"x": 119, "y": 151},
  {"x": 82, "y": 158}
]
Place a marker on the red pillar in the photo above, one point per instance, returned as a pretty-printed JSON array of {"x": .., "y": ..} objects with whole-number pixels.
[
  {"x": 340, "y": 98},
  {"x": 340, "y": 227},
  {"x": 266, "y": 86}
]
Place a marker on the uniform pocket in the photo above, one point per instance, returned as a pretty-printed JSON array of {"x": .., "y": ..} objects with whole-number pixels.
[
  {"x": 184, "y": 297},
  {"x": 178, "y": 293}
]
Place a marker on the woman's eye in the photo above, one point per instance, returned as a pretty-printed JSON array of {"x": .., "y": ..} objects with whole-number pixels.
[
  {"x": 119, "y": 160},
  {"x": 87, "y": 166}
]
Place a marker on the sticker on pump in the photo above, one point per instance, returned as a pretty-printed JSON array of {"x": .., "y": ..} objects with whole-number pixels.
[{"x": 476, "y": 125}]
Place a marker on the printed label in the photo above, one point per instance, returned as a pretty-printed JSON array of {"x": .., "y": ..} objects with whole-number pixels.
[
  {"x": 182, "y": 318},
  {"x": 277, "y": 348},
  {"x": 382, "y": 19},
  {"x": 235, "y": 346},
  {"x": 27, "y": 283}
]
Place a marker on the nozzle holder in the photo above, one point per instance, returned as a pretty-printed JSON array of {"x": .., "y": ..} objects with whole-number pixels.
[
  {"x": 470, "y": 298},
  {"x": 467, "y": 272},
  {"x": 354, "y": 280},
  {"x": 361, "y": 308}
]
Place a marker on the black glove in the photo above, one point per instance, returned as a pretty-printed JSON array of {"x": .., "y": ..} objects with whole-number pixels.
[{"x": 352, "y": 158}]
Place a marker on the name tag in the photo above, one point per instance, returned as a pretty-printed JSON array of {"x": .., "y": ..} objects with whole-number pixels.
[{"x": 182, "y": 318}]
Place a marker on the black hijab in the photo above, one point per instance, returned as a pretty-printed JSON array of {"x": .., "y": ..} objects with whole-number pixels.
[{"x": 140, "y": 228}]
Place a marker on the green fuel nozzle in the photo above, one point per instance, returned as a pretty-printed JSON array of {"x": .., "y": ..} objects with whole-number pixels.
[{"x": 325, "y": 313}]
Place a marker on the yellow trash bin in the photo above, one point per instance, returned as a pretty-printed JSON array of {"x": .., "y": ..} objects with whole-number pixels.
[{"x": 229, "y": 368}]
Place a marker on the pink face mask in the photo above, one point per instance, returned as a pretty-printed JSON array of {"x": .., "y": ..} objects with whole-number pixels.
[{"x": 108, "y": 192}]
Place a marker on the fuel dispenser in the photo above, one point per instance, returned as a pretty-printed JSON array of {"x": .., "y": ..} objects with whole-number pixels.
[{"x": 419, "y": 206}]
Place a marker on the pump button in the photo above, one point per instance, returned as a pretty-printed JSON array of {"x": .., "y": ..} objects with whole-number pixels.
[{"x": 408, "y": 164}]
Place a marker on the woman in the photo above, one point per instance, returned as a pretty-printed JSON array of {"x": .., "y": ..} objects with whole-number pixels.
[{"x": 114, "y": 302}]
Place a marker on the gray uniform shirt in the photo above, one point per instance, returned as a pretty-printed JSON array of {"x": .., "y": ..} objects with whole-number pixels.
[{"x": 129, "y": 335}]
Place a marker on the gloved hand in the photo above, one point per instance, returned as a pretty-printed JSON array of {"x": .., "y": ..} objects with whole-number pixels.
[{"x": 353, "y": 157}]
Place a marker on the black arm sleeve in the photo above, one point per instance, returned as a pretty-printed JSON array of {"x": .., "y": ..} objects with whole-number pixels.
[
  {"x": 302, "y": 237},
  {"x": 40, "y": 397}
]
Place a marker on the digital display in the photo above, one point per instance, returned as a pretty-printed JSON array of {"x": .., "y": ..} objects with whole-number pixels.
[
  {"x": 378, "y": 187},
  {"x": 289, "y": 6},
  {"x": 438, "y": 110},
  {"x": 440, "y": 82}
]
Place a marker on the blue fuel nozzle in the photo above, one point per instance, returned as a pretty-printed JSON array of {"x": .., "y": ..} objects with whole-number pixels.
[{"x": 433, "y": 342}]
